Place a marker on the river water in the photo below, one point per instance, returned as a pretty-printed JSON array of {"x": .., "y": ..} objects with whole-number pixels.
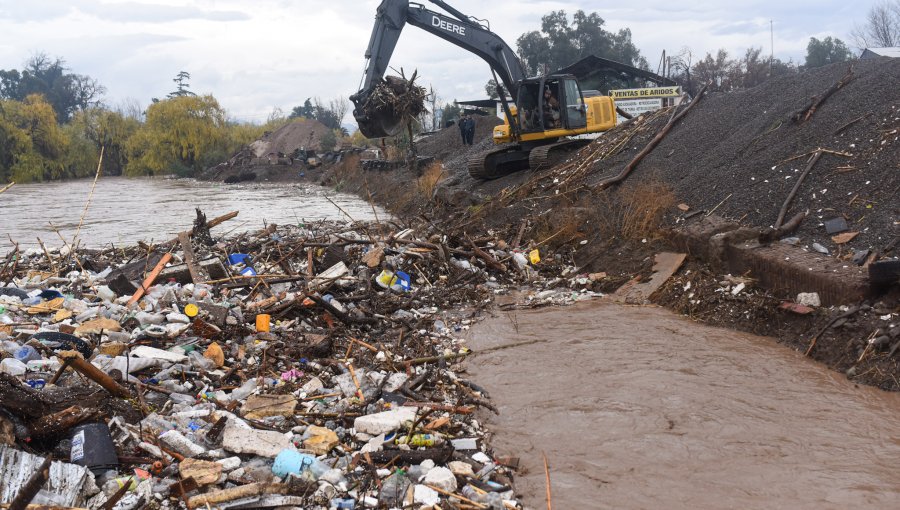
[
  {"x": 126, "y": 210},
  {"x": 638, "y": 408}
]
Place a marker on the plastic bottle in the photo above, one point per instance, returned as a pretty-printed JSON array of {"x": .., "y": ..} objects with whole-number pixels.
[
  {"x": 420, "y": 440},
  {"x": 201, "y": 363},
  {"x": 27, "y": 353},
  {"x": 393, "y": 489},
  {"x": 292, "y": 462},
  {"x": 245, "y": 390}
]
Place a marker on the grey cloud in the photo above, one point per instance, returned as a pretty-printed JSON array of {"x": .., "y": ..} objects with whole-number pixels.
[
  {"x": 156, "y": 13},
  {"x": 23, "y": 11},
  {"x": 129, "y": 12}
]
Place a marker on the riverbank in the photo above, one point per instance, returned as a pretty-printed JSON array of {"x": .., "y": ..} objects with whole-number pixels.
[{"x": 718, "y": 205}]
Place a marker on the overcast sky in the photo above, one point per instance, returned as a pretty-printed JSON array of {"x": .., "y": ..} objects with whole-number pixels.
[{"x": 255, "y": 55}]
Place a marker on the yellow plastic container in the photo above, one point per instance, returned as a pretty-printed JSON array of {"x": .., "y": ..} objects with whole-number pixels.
[{"x": 263, "y": 322}]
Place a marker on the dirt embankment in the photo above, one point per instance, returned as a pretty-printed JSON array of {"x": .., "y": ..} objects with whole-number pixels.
[
  {"x": 736, "y": 155},
  {"x": 278, "y": 156}
]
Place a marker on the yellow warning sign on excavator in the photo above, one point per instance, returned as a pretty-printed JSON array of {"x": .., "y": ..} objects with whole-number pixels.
[{"x": 645, "y": 93}]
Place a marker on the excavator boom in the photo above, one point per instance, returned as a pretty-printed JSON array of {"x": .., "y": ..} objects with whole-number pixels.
[{"x": 457, "y": 28}]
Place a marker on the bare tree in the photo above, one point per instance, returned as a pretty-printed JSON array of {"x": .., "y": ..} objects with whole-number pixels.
[
  {"x": 882, "y": 26},
  {"x": 276, "y": 115},
  {"x": 339, "y": 107},
  {"x": 130, "y": 108}
]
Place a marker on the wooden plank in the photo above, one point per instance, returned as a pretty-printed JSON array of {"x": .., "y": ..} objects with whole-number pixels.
[
  {"x": 148, "y": 282},
  {"x": 185, "y": 239},
  {"x": 636, "y": 292}
]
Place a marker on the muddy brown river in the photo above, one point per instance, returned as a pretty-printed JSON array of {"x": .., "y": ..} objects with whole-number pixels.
[
  {"x": 637, "y": 408},
  {"x": 124, "y": 210}
]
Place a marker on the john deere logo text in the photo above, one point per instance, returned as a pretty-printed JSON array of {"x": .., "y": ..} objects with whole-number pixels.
[{"x": 446, "y": 25}]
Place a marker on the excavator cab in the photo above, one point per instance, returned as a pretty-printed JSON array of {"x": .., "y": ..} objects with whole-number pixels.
[{"x": 550, "y": 103}]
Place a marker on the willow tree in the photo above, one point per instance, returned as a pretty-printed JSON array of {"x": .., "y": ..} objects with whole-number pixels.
[
  {"x": 181, "y": 135},
  {"x": 36, "y": 143}
]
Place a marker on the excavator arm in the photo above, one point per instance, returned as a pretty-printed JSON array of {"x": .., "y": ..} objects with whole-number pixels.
[{"x": 456, "y": 28}]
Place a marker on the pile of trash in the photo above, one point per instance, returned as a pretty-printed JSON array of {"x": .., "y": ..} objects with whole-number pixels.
[{"x": 313, "y": 366}]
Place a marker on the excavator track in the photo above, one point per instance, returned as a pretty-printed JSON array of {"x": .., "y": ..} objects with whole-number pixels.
[
  {"x": 548, "y": 156},
  {"x": 497, "y": 163}
]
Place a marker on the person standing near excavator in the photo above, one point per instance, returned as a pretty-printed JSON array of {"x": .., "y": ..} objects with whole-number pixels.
[
  {"x": 464, "y": 127},
  {"x": 470, "y": 130}
]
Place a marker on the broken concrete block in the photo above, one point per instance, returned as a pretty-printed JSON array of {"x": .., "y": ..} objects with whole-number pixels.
[
  {"x": 262, "y": 406},
  {"x": 321, "y": 440},
  {"x": 461, "y": 468},
  {"x": 175, "y": 441},
  {"x": 441, "y": 478},
  {"x": 264, "y": 443},
  {"x": 809, "y": 299},
  {"x": 384, "y": 422},
  {"x": 313, "y": 385},
  {"x": 203, "y": 472},
  {"x": 426, "y": 496}
]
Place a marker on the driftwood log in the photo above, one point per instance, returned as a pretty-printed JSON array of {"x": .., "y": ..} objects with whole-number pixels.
[
  {"x": 650, "y": 146},
  {"x": 805, "y": 113}
]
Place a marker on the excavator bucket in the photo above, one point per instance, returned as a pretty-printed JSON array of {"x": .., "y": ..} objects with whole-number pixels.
[
  {"x": 375, "y": 122},
  {"x": 388, "y": 106}
]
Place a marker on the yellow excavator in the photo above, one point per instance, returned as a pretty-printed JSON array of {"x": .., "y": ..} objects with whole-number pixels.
[{"x": 542, "y": 115}]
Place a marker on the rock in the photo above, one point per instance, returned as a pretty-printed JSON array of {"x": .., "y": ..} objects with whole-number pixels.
[
  {"x": 809, "y": 299},
  {"x": 384, "y": 422},
  {"x": 321, "y": 440},
  {"x": 441, "y": 478},
  {"x": 821, "y": 249},
  {"x": 262, "y": 406},
  {"x": 203, "y": 472},
  {"x": 230, "y": 464},
  {"x": 264, "y": 443},
  {"x": 836, "y": 225}
]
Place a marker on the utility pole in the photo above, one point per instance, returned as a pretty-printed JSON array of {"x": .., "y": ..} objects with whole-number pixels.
[{"x": 771, "y": 45}]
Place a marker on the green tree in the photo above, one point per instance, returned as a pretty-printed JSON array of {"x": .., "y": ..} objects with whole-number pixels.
[
  {"x": 306, "y": 111},
  {"x": 490, "y": 88},
  {"x": 718, "y": 70},
  {"x": 181, "y": 135},
  {"x": 826, "y": 51},
  {"x": 36, "y": 142},
  {"x": 451, "y": 111},
  {"x": 559, "y": 44},
  {"x": 328, "y": 141},
  {"x": 64, "y": 91},
  {"x": 182, "y": 87}
]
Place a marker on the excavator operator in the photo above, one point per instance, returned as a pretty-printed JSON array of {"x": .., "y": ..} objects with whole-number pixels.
[{"x": 551, "y": 109}]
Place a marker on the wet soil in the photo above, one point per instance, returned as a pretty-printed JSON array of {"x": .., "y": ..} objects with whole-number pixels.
[{"x": 638, "y": 408}]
